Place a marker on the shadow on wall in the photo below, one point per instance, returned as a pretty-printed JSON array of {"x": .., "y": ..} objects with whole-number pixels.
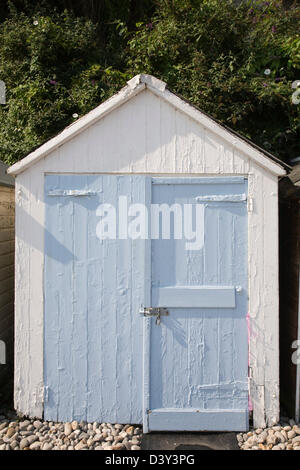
[{"x": 41, "y": 239}]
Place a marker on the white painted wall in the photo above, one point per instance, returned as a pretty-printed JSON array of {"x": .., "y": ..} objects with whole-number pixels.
[{"x": 149, "y": 135}]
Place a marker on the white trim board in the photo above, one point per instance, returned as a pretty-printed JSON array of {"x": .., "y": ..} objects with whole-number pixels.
[{"x": 158, "y": 87}]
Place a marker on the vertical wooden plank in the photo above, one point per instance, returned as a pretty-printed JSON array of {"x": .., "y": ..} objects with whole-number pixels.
[
  {"x": 36, "y": 288},
  {"x": 126, "y": 314},
  {"x": 212, "y": 154},
  {"x": 109, "y": 313},
  {"x": 271, "y": 297},
  {"x": 147, "y": 321},
  {"x": 168, "y": 139},
  {"x": 22, "y": 302},
  {"x": 153, "y": 134},
  {"x": 183, "y": 143},
  {"x": 95, "y": 284},
  {"x": 256, "y": 297},
  {"x": 196, "y": 147},
  {"x": 52, "y": 308},
  {"x": 240, "y": 162},
  {"x": 210, "y": 244},
  {"x": 79, "y": 298}
]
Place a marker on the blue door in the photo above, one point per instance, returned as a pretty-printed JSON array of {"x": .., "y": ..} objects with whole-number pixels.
[
  {"x": 148, "y": 322},
  {"x": 94, "y": 287},
  {"x": 196, "y": 357}
]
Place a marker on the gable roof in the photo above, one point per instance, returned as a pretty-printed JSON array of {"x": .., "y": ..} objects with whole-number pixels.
[{"x": 159, "y": 88}]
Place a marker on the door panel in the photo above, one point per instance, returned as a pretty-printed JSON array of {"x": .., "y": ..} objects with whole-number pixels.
[
  {"x": 93, "y": 292},
  {"x": 198, "y": 365},
  {"x": 194, "y": 297}
]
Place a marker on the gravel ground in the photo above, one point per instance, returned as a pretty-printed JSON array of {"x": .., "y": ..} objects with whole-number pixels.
[
  {"x": 29, "y": 434},
  {"x": 284, "y": 436},
  {"x": 26, "y": 434}
]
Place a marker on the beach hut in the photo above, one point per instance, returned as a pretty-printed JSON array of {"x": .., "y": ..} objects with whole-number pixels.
[{"x": 147, "y": 270}]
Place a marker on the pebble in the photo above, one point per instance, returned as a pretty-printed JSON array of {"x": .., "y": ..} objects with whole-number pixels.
[
  {"x": 24, "y": 443},
  {"x": 17, "y": 433},
  {"x": 74, "y": 425},
  {"x": 35, "y": 446},
  {"x": 130, "y": 430},
  {"x": 291, "y": 434},
  {"x": 285, "y": 437},
  {"x": 24, "y": 424},
  {"x": 37, "y": 424},
  {"x": 47, "y": 446},
  {"x": 68, "y": 429},
  {"x": 10, "y": 432}
]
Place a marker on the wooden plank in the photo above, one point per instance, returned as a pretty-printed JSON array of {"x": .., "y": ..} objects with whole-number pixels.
[
  {"x": 6, "y": 195},
  {"x": 194, "y": 297},
  {"x": 7, "y": 208},
  {"x": 7, "y": 235},
  {"x": 271, "y": 297},
  {"x": 195, "y": 420},
  {"x": 147, "y": 321},
  {"x": 95, "y": 285},
  {"x": 7, "y": 221},
  {"x": 22, "y": 390},
  {"x": 228, "y": 180},
  {"x": 256, "y": 326}
]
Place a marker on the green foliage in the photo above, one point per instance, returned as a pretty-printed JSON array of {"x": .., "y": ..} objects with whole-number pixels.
[
  {"x": 53, "y": 70},
  {"x": 235, "y": 62}
]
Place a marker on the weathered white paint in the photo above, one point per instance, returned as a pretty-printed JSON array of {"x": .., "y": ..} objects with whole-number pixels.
[
  {"x": 135, "y": 86},
  {"x": 149, "y": 132},
  {"x": 264, "y": 296}
]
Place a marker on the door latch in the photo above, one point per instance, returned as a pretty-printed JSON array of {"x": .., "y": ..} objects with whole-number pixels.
[{"x": 154, "y": 312}]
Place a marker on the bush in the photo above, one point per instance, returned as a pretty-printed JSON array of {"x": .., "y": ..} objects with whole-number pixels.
[
  {"x": 54, "y": 70},
  {"x": 237, "y": 63}
]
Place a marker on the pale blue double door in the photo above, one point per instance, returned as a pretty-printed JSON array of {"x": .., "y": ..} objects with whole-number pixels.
[{"x": 106, "y": 361}]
